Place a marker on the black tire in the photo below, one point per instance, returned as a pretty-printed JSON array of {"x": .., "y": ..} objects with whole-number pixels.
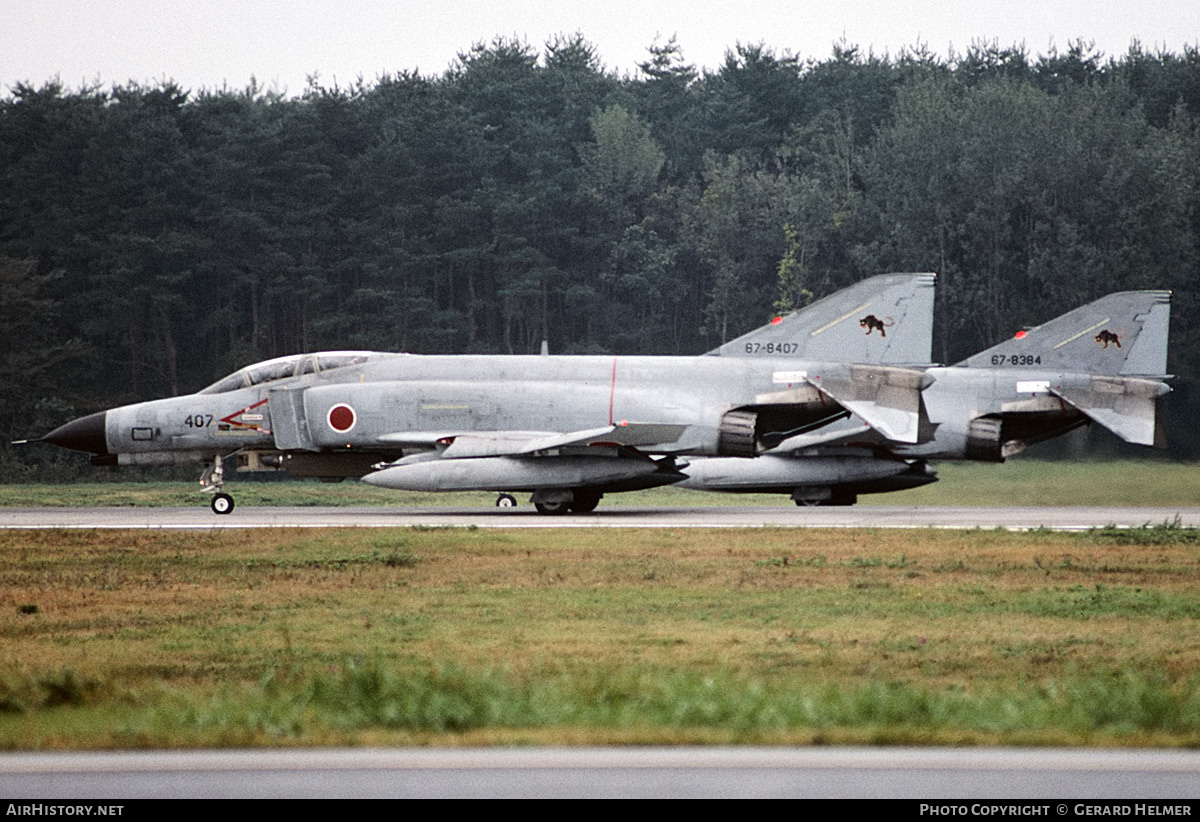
[
  {"x": 552, "y": 508},
  {"x": 221, "y": 503},
  {"x": 585, "y": 503},
  {"x": 506, "y": 501}
]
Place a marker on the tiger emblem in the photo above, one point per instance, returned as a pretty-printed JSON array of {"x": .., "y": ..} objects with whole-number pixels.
[{"x": 871, "y": 322}]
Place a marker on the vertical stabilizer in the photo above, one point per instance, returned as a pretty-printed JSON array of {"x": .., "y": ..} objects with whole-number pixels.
[
  {"x": 1122, "y": 334},
  {"x": 883, "y": 320}
]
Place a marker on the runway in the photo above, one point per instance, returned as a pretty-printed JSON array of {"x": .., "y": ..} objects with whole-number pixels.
[
  {"x": 614, "y": 516},
  {"x": 1065, "y": 782}
]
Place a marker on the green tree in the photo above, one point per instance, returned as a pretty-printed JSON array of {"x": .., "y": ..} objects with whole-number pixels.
[
  {"x": 39, "y": 373},
  {"x": 1026, "y": 203},
  {"x": 623, "y": 162}
]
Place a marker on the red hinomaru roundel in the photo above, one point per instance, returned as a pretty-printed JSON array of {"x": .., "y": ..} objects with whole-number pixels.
[{"x": 341, "y": 418}]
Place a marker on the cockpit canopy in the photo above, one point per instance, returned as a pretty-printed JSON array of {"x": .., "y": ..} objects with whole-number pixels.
[{"x": 282, "y": 368}]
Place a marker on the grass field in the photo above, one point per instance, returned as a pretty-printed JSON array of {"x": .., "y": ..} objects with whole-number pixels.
[{"x": 475, "y": 637}]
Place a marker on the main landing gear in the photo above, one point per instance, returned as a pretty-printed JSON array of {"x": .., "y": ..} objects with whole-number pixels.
[
  {"x": 837, "y": 497},
  {"x": 213, "y": 480},
  {"x": 557, "y": 503}
]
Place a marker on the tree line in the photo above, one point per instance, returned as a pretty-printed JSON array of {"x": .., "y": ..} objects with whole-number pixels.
[{"x": 154, "y": 238}]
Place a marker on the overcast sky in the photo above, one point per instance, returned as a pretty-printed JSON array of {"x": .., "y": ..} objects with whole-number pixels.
[{"x": 223, "y": 43}]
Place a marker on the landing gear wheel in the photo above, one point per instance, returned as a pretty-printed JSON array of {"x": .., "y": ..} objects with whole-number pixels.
[
  {"x": 552, "y": 508},
  {"x": 222, "y": 503},
  {"x": 808, "y": 503},
  {"x": 506, "y": 501},
  {"x": 584, "y": 503}
]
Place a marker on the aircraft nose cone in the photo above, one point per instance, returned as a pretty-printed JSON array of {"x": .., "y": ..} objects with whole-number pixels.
[{"x": 83, "y": 434}]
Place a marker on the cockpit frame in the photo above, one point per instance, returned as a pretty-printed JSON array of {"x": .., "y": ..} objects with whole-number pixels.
[{"x": 283, "y": 368}]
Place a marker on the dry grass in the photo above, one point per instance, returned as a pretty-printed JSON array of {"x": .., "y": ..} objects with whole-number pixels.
[{"x": 137, "y": 615}]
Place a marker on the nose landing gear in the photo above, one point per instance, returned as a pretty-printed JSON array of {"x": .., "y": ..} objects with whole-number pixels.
[{"x": 213, "y": 480}]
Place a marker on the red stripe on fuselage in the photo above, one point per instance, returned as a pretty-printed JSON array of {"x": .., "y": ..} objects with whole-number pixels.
[
  {"x": 612, "y": 392},
  {"x": 231, "y": 421}
]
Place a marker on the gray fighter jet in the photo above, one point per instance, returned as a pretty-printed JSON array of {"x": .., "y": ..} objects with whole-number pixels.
[
  {"x": 1103, "y": 363},
  {"x": 569, "y": 429}
]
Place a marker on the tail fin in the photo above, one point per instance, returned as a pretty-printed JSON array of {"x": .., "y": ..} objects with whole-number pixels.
[
  {"x": 883, "y": 320},
  {"x": 1123, "y": 334},
  {"x": 1111, "y": 356}
]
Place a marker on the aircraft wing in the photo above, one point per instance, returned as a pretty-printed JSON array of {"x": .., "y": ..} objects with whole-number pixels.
[
  {"x": 1127, "y": 406},
  {"x": 887, "y": 398},
  {"x": 465, "y": 444}
]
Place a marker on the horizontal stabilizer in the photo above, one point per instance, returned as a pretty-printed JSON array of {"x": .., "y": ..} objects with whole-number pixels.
[
  {"x": 887, "y": 398},
  {"x": 886, "y": 320},
  {"x": 1124, "y": 405}
]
